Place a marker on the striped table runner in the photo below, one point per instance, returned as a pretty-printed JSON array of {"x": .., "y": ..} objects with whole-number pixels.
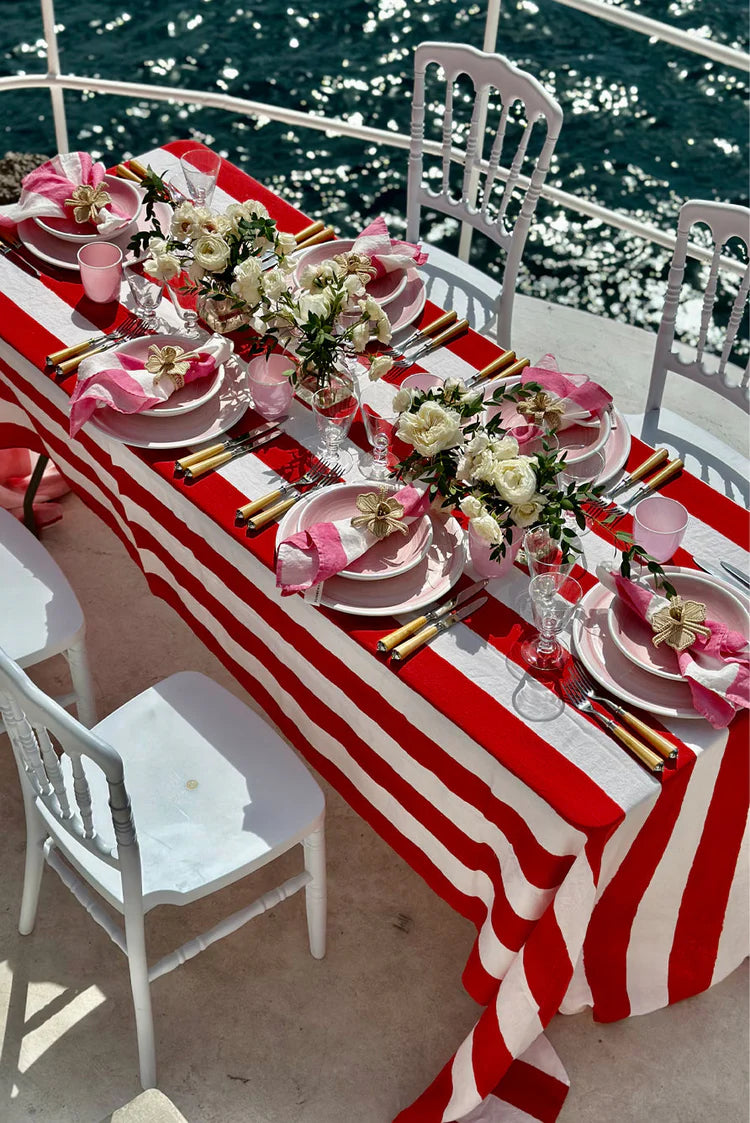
[{"x": 589, "y": 881}]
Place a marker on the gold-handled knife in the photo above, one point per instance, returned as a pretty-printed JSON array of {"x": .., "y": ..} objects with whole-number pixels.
[
  {"x": 432, "y": 630},
  {"x": 212, "y": 462},
  {"x": 309, "y": 231},
  {"x": 324, "y": 235},
  {"x": 193, "y": 458},
  {"x": 137, "y": 167},
  {"x": 434, "y": 343},
  {"x": 125, "y": 173},
  {"x": 672, "y": 469},
  {"x": 421, "y": 334},
  {"x": 495, "y": 367},
  {"x": 654, "y": 461},
  {"x": 394, "y": 638}
]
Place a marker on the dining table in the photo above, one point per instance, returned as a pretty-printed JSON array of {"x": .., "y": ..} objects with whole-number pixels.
[{"x": 591, "y": 882}]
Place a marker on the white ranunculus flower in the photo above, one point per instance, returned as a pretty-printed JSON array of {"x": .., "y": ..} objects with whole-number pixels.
[
  {"x": 401, "y": 400},
  {"x": 212, "y": 252},
  {"x": 472, "y": 507},
  {"x": 431, "y": 429},
  {"x": 379, "y": 366},
  {"x": 285, "y": 243},
  {"x": 360, "y": 335},
  {"x": 488, "y": 529},
  {"x": 515, "y": 480},
  {"x": 524, "y": 514},
  {"x": 248, "y": 281}
]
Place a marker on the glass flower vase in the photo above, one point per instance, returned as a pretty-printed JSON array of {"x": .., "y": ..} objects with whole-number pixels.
[{"x": 220, "y": 314}]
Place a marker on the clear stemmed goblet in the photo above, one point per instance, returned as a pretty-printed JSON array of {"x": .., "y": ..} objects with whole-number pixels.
[
  {"x": 554, "y": 597},
  {"x": 335, "y": 406},
  {"x": 544, "y": 553},
  {"x": 200, "y": 169},
  {"x": 379, "y": 429},
  {"x": 146, "y": 294},
  {"x": 188, "y": 315}
]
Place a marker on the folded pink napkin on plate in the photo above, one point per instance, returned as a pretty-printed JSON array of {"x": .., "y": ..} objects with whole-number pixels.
[
  {"x": 716, "y": 667},
  {"x": 310, "y": 556},
  {"x": 44, "y": 191},
  {"x": 387, "y": 254},
  {"x": 582, "y": 398},
  {"x": 122, "y": 382}
]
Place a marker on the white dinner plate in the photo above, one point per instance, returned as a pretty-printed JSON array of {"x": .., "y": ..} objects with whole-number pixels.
[
  {"x": 213, "y": 418},
  {"x": 191, "y": 396},
  {"x": 63, "y": 255}
]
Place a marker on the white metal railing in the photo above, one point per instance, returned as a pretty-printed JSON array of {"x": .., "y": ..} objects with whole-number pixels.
[{"x": 56, "y": 82}]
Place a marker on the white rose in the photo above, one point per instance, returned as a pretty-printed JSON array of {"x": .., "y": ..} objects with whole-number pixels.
[
  {"x": 472, "y": 507},
  {"x": 515, "y": 480},
  {"x": 431, "y": 429},
  {"x": 182, "y": 221},
  {"x": 488, "y": 529},
  {"x": 248, "y": 280},
  {"x": 505, "y": 447},
  {"x": 204, "y": 221},
  {"x": 212, "y": 252},
  {"x": 253, "y": 209},
  {"x": 379, "y": 366},
  {"x": 401, "y": 400},
  {"x": 524, "y": 514},
  {"x": 285, "y": 243},
  {"x": 361, "y": 335},
  {"x": 161, "y": 265},
  {"x": 274, "y": 284},
  {"x": 312, "y": 304},
  {"x": 353, "y": 285}
]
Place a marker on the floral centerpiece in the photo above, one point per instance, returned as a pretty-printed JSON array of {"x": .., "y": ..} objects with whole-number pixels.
[{"x": 239, "y": 261}]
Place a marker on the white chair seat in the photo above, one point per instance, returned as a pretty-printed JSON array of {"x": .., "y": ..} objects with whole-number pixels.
[
  {"x": 452, "y": 283},
  {"x": 39, "y": 613},
  {"x": 215, "y": 791}
]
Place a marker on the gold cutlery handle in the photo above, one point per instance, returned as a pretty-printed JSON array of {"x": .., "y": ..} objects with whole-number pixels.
[
  {"x": 125, "y": 173},
  {"x": 517, "y": 367},
  {"x": 666, "y": 748},
  {"x": 313, "y": 228},
  {"x": 653, "y": 762},
  {"x": 394, "y": 638},
  {"x": 208, "y": 465},
  {"x": 68, "y": 352},
  {"x": 453, "y": 332},
  {"x": 271, "y": 513},
  {"x": 437, "y": 325},
  {"x": 73, "y": 364},
  {"x": 194, "y": 457},
  {"x": 324, "y": 235},
  {"x": 137, "y": 167},
  {"x": 647, "y": 466},
  {"x": 500, "y": 363},
  {"x": 415, "y": 642},
  {"x": 672, "y": 469},
  {"x": 250, "y": 509}
]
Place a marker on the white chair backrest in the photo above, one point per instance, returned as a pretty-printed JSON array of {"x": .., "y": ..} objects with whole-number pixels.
[
  {"x": 486, "y": 191},
  {"x": 30, "y": 717},
  {"x": 725, "y": 221}
]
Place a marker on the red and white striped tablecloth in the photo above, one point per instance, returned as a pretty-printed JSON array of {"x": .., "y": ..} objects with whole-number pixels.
[{"x": 589, "y": 881}]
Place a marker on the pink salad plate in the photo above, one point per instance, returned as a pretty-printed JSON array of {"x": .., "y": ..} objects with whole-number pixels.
[
  {"x": 63, "y": 255},
  {"x": 408, "y": 306},
  {"x": 191, "y": 396},
  {"x": 383, "y": 289},
  {"x": 633, "y": 636},
  {"x": 432, "y": 578},
  {"x": 389, "y": 558},
  {"x": 606, "y": 664},
  {"x": 205, "y": 422},
  {"x": 579, "y": 441},
  {"x": 124, "y": 197}
]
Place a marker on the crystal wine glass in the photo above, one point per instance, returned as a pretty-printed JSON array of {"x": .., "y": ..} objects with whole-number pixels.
[
  {"x": 379, "y": 429},
  {"x": 146, "y": 294},
  {"x": 544, "y": 553},
  {"x": 335, "y": 406},
  {"x": 554, "y": 597},
  {"x": 188, "y": 315},
  {"x": 200, "y": 169}
]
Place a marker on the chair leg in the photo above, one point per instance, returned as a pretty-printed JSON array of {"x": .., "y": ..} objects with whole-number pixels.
[
  {"x": 144, "y": 1022},
  {"x": 315, "y": 891},
  {"x": 82, "y": 682},
  {"x": 31, "y": 490},
  {"x": 36, "y": 836}
]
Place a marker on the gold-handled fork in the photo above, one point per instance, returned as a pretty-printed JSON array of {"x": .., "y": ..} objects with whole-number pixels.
[
  {"x": 578, "y": 675},
  {"x": 431, "y": 344},
  {"x": 576, "y": 696},
  {"x": 319, "y": 470},
  {"x": 418, "y": 337},
  {"x": 278, "y": 509},
  {"x": 130, "y": 321},
  {"x": 655, "y": 460},
  {"x": 136, "y": 331},
  {"x": 618, "y": 511}
]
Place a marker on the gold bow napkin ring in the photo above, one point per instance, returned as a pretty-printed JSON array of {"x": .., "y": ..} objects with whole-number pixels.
[
  {"x": 542, "y": 409},
  {"x": 679, "y": 624},
  {"x": 87, "y": 201},
  {"x": 170, "y": 361},
  {"x": 381, "y": 515}
]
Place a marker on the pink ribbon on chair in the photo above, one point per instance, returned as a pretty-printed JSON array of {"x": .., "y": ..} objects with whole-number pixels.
[
  {"x": 45, "y": 189},
  {"x": 387, "y": 254}
]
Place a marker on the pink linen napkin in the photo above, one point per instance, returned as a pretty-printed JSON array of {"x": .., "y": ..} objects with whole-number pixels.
[
  {"x": 387, "y": 254},
  {"x": 310, "y": 556},
  {"x": 584, "y": 400},
  {"x": 716, "y": 668},
  {"x": 45, "y": 189},
  {"x": 127, "y": 387}
]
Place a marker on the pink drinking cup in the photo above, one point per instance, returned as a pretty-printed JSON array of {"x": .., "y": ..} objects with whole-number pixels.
[
  {"x": 659, "y": 526},
  {"x": 101, "y": 271},
  {"x": 270, "y": 384}
]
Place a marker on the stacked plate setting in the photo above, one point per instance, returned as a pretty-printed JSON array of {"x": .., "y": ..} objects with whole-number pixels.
[{"x": 615, "y": 645}]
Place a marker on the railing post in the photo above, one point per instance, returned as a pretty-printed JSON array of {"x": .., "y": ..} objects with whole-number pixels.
[
  {"x": 53, "y": 72},
  {"x": 489, "y": 45}
]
